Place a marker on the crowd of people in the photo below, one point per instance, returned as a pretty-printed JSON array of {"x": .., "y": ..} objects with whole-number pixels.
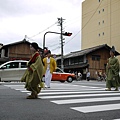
[{"x": 42, "y": 64}]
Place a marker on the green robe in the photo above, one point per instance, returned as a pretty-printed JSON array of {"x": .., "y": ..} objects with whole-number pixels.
[
  {"x": 33, "y": 75},
  {"x": 112, "y": 73}
]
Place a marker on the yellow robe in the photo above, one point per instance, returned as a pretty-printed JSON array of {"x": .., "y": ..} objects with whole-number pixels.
[{"x": 53, "y": 65}]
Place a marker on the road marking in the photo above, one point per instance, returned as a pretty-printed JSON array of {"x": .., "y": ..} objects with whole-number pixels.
[
  {"x": 71, "y": 101},
  {"x": 80, "y": 95},
  {"x": 71, "y": 93},
  {"x": 97, "y": 108}
]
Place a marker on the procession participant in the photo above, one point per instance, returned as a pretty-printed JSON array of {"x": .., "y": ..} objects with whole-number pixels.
[
  {"x": 112, "y": 71},
  {"x": 34, "y": 72},
  {"x": 49, "y": 67}
]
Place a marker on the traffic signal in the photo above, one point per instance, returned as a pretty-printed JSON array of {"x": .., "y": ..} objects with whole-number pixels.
[{"x": 67, "y": 34}]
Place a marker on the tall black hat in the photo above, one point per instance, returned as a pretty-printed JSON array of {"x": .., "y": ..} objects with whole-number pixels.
[
  {"x": 35, "y": 45},
  {"x": 113, "y": 49}
]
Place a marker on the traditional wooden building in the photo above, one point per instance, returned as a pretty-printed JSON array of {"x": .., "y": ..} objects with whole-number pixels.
[
  {"x": 93, "y": 59},
  {"x": 13, "y": 51}
]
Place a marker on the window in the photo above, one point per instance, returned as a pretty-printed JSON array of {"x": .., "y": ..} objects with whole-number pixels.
[
  {"x": 99, "y": 34},
  {"x": 23, "y": 64},
  {"x": 103, "y": 10},
  {"x": 77, "y": 60},
  {"x": 66, "y": 62},
  {"x": 103, "y": 21},
  {"x": 59, "y": 71},
  {"x": 98, "y": 0},
  {"x": 99, "y": 11},
  {"x": 103, "y": 33},
  {"x": 12, "y": 65},
  {"x": 96, "y": 57}
]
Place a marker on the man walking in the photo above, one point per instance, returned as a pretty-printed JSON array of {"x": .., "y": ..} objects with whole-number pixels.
[
  {"x": 112, "y": 71},
  {"x": 49, "y": 67}
]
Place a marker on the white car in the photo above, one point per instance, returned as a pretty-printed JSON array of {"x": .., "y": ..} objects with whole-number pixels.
[{"x": 12, "y": 70}]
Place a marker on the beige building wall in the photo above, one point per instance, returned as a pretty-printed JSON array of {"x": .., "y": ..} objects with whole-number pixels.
[{"x": 101, "y": 23}]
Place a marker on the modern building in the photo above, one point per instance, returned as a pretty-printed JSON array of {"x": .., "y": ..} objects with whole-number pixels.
[{"x": 101, "y": 23}]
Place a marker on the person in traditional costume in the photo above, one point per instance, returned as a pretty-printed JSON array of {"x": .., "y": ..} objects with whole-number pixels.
[
  {"x": 49, "y": 67},
  {"x": 33, "y": 75},
  {"x": 112, "y": 71}
]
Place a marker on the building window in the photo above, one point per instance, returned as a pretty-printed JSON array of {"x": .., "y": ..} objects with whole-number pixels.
[
  {"x": 99, "y": 11},
  {"x": 103, "y": 21},
  {"x": 99, "y": 0},
  {"x": 103, "y": 10},
  {"x": 96, "y": 57},
  {"x": 103, "y": 33},
  {"x": 99, "y": 23},
  {"x": 76, "y": 60},
  {"x": 99, "y": 34}
]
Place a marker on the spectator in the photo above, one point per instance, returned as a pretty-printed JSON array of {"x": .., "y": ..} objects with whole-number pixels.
[
  {"x": 88, "y": 76},
  {"x": 79, "y": 76}
]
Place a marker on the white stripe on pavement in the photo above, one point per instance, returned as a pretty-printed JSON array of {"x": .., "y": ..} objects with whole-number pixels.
[
  {"x": 97, "y": 108},
  {"x": 80, "y": 95},
  {"x": 48, "y": 91},
  {"x": 70, "y": 101}
]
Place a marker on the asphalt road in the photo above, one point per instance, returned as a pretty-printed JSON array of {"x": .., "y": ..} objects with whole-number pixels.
[{"x": 79, "y": 100}]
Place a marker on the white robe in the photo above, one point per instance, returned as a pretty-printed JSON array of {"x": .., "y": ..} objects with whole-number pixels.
[{"x": 48, "y": 75}]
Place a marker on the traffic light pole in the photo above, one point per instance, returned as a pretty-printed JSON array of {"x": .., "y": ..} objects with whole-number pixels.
[
  {"x": 45, "y": 35},
  {"x": 60, "y": 21},
  {"x": 65, "y": 34},
  {"x": 61, "y": 36}
]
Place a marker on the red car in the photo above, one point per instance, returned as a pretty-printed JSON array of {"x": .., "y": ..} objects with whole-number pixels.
[{"x": 62, "y": 76}]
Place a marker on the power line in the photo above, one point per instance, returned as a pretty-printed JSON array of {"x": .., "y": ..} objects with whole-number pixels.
[
  {"x": 56, "y": 48},
  {"x": 43, "y": 30},
  {"x": 71, "y": 22},
  {"x": 86, "y": 23},
  {"x": 92, "y": 15},
  {"x": 105, "y": 6}
]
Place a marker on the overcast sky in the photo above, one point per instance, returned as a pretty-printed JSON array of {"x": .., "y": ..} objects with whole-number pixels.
[{"x": 35, "y": 17}]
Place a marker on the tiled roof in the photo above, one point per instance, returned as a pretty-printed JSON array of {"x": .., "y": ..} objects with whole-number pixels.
[
  {"x": 15, "y": 43},
  {"x": 87, "y": 51}
]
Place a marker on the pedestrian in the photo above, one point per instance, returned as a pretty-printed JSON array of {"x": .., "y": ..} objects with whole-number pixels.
[
  {"x": 79, "y": 75},
  {"x": 49, "y": 67},
  {"x": 112, "y": 71},
  {"x": 33, "y": 75},
  {"x": 88, "y": 76}
]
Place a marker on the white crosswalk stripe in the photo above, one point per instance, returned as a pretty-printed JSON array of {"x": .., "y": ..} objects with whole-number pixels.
[
  {"x": 76, "y": 94},
  {"x": 97, "y": 108}
]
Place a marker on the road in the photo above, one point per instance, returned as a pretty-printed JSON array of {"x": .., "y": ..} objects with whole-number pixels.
[{"x": 79, "y": 100}]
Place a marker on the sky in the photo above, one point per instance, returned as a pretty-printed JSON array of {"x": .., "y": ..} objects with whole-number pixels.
[{"x": 34, "y": 18}]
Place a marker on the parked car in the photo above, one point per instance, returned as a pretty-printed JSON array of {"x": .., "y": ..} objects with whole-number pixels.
[{"x": 12, "y": 70}]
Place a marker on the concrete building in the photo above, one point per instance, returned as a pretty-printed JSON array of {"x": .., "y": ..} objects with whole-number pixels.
[{"x": 101, "y": 23}]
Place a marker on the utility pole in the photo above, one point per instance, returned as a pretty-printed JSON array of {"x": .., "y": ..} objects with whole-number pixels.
[{"x": 60, "y": 22}]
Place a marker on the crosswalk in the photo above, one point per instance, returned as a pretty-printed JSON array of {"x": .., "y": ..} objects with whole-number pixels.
[{"x": 76, "y": 96}]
